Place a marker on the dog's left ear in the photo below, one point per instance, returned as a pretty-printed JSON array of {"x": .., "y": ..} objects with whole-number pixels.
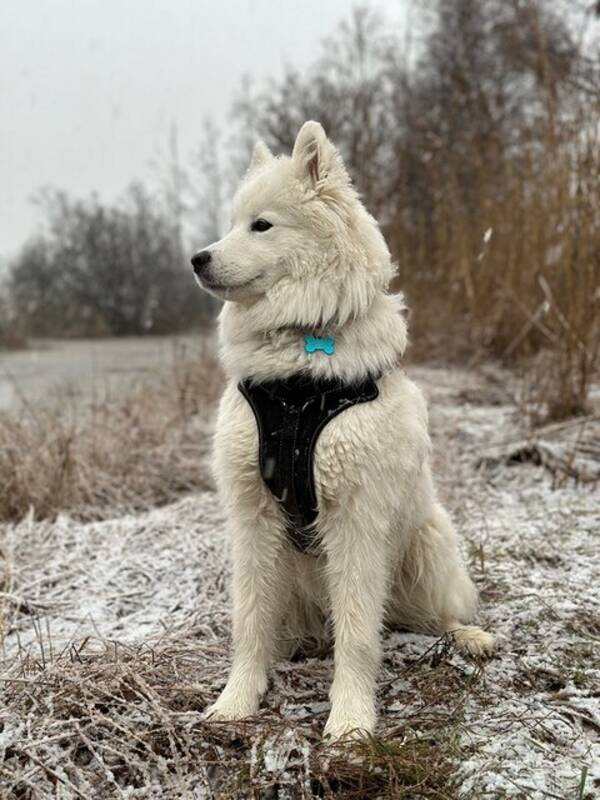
[
  {"x": 260, "y": 155},
  {"x": 315, "y": 157}
]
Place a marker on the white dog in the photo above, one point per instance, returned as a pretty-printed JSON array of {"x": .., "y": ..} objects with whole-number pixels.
[{"x": 304, "y": 273}]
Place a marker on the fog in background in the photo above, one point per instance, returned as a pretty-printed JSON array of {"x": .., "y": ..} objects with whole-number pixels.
[
  {"x": 89, "y": 90},
  {"x": 471, "y": 130}
]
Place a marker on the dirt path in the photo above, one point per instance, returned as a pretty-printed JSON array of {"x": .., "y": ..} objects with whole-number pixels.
[{"x": 117, "y": 637}]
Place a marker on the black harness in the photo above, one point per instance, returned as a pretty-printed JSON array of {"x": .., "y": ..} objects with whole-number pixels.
[{"x": 290, "y": 414}]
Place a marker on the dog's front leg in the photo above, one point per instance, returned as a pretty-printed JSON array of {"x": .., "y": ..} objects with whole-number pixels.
[
  {"x": 260, "y": 584},
  {"x": 358, "y": 577}
]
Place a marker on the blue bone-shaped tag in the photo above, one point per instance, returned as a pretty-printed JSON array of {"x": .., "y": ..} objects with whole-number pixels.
[{"x": 312, "y": 343}]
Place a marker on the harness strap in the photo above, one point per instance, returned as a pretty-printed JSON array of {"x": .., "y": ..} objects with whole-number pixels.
[{"x": 290, "y": 414}]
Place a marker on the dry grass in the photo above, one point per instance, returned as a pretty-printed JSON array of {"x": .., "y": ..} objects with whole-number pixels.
[
  {"x": 99, "y": 708},
  {"x": 115, "y": 457},
  {"x": 126, "y": 721},
  {"x": 511, "y": 268}
]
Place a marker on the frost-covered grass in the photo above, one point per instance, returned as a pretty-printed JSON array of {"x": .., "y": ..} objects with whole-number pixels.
[
  {"x": 116, "y": 638},
  {"x": 110, "y": 457}
]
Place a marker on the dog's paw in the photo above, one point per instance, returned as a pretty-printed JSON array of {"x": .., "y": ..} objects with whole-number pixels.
[
  {"x": 348, "y": 727},
  {"x": 473, "y": 640},
  {"x": 230, "y": 708}
]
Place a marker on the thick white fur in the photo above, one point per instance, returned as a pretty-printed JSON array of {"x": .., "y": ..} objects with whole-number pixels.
[{"x": 389, "y": 551}]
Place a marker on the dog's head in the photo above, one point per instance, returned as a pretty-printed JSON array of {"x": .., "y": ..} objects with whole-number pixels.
[{"x": 302, "y": 249}]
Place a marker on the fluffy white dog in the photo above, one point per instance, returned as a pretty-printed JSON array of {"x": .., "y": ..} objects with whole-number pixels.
[{"x": 304, "y": 261}]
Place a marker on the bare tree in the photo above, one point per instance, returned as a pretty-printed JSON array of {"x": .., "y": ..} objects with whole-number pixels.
[
  {"x": 480, "y": 157},
  {"x": 207, "y": 186},
  {"x": 349, "y": 89},
  {"x": 103, "y": 269}
]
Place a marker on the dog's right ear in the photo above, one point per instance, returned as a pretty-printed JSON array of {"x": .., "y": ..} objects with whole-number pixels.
[
  {"x": 316, "y": 159},
  {"x": 312, "y": 152},
  {"x": 260, "y": 155}
]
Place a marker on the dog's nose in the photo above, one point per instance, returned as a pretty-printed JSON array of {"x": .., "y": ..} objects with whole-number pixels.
[{"x": 200, "y": 261}]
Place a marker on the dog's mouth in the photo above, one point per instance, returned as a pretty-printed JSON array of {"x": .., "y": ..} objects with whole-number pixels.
[{"x": 215, "y": 286}]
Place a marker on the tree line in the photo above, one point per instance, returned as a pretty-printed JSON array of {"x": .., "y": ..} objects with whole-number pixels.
[
  {"x": 99, "y": 270},
  {"x": 472, "y": 136},
  {"x": 115, "y": 269}
]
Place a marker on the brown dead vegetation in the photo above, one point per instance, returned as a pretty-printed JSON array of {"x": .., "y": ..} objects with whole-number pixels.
[
  {"x": 115, "y": 457},
  {"x": 478, "y": 151}
]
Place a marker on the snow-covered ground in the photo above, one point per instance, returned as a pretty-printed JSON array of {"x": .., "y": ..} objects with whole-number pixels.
[{"x": 116, "y": 637}]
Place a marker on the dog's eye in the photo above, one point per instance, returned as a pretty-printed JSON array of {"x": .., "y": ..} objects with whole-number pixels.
[{"x": 260, "y": 225}]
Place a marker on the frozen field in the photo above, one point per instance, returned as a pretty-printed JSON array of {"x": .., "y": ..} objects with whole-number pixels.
[
  {"x": 59, "y": 370},
  {"x": 116, "y": 637}
]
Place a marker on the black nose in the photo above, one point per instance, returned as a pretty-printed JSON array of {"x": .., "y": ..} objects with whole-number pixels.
[{"x": 200, "y": 261}]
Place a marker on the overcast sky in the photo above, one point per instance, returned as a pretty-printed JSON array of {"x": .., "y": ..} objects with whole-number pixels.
[{"x": 89, "y": 88}]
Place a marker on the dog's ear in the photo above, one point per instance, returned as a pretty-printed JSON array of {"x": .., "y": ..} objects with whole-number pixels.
[
  {"x": 315, "y": 157},
  {"x": 260, "y": 155}
]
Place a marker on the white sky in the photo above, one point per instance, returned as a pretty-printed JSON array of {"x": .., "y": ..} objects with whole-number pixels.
[{"x": 89, "y": 88}]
